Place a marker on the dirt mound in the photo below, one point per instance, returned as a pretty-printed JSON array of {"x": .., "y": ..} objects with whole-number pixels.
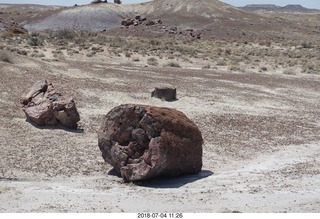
[
  {"x": 14, "y": 16},
  {"x": 189, "y": 8},
  {"x": 95, "y": 17}
]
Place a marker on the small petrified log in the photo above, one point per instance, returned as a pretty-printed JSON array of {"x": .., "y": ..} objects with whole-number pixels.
[
  {"x": 127, "y": 22},
  {"x": 165, "y": 93},
  {"x": 44, "y": 106},
  {"x": 144, "y": 142}
]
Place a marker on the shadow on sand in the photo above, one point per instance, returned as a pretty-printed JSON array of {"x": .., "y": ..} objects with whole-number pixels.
[
  {"x": 169, "y": 183},
  {"x": 176, "y": 182},
  {"x": 59, "y": 126}
]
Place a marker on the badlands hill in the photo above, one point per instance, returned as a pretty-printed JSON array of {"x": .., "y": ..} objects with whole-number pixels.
[
  {"x": 95, "y": 17},
  {"x": 278, "y": 9},
  {"x": 210, "y": 19},
  {"x": 203, "y": 14}
]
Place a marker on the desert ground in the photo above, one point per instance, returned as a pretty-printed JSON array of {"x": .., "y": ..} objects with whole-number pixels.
[{"x": 256, "y": 103}]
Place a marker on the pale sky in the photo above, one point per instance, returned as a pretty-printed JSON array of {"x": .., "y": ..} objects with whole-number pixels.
[{"x": 305, "y": 3}]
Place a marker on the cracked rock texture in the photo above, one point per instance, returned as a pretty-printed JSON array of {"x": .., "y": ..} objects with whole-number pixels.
[
  {"x": 144, "y": 142},
  {"x": 44, "y": 106}
]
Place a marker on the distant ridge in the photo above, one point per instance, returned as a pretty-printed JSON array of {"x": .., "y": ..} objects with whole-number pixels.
[{"x": 276, "y": 8}]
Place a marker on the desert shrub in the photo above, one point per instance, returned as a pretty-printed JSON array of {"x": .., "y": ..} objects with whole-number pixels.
[
  {"x": 35, "y": 41},
  {"x": 97, "y": 49},
  {"x": 233, "y": 67},
  {"x": 91, "y": 54},
  {"x": 23, "y": 52},
  {"x": 310, "y": 68},
  {"x": 206, "y": 67},
  {"x": 221, "y": 63},
  {"x": 39, "y": 55},
  {"x": 152, "y": 61},
  {"x": 264, "y": 68},
  {"x": 5, "y": 57},
  {"x": 154, "y": 42},
  {"x": 228, "y": 51},
  {"x": 306, "y": 45},
  {"x": 117, "y": 42},
  {"x": 65, "y": 34},
  {"x": 136, "y": 59},
  {"x": 173, "y": 64},
  {"x": 289, "y": 71}
]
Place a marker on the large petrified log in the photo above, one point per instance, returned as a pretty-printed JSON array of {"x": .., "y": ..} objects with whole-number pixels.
[
  {"x": 143, "y": 142},
  {"x": 44, "y": 106}
]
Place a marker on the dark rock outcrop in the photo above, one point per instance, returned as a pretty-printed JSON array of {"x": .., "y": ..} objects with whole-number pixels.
[
  {"x": 99, "y": 1},
  {"x": 44, "y": 106},
  {"x": 127, "y": 22},
  {"x": 144, "y": 142},
  {"x": 139, "y": 20}
]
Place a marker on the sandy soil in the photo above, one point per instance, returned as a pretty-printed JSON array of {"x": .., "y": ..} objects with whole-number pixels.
[{"x": 261, "y": 132}]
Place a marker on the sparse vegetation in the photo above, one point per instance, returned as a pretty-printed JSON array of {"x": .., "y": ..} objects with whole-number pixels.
[
  {"x": 206, "y": 67},
  {"x": 289, "y": 71},
  {"x": 306, "y": 45},
  {"x": 35, "y": 41},
  {"x": 173, "y": 64},
  {"x": 4, "y": 189},
  {"x": 152, "y": 61},
  {"x": 256, "y": 56},
  {"x": 65, "y": 34},
  {"x": 5, "y": 57}
]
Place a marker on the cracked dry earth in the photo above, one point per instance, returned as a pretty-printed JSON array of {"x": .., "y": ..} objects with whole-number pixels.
[{"x": 261, "y": 132}]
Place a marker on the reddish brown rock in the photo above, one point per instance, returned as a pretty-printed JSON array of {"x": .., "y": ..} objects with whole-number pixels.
[
  {"x": 44, "y": 106},
  {"x": 144, "y": 142}
]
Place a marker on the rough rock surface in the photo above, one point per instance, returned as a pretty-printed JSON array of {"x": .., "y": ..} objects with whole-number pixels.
[
  {"x": 139, "y": 20},
  {"x": 144, "y": 142},
  {"x": 165, "y": 93},
  {"x": 43, "y": 105}
]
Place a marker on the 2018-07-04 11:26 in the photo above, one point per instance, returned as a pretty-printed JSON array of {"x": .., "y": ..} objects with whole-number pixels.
[{"x": 160, "y": 215}]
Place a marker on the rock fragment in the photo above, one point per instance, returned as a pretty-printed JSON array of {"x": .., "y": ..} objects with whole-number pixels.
[
  {"x": 165, "y": 93},
  {"x": 44, "y": 106}
]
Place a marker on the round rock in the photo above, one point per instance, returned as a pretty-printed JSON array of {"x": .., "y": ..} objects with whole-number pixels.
[{"x": 143, "y": 142}]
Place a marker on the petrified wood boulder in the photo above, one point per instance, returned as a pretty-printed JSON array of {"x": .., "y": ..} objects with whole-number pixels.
[
  {"x": 44, "y": 106},
  {"x": 165, "y": 93},
  {"x": 144, "y": 142}
]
